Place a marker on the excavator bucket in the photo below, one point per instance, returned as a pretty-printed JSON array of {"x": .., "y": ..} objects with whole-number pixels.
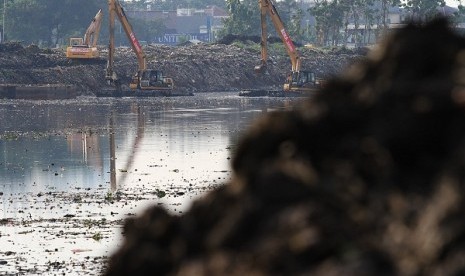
[{"x": 260, "y": 69}]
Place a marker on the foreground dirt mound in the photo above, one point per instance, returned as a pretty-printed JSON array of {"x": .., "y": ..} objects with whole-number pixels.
[
  {"x": 365, "y": 179},
  {"x": 201, "y": 67}
]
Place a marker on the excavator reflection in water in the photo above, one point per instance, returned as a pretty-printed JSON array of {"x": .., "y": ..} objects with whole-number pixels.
[
  {"x": 146, "y": 82},
  {"x": 88, "y": 145},
  {"x": 134, "y": 148}
]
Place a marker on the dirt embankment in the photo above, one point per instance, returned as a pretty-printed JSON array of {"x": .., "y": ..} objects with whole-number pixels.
[{"x": 201, "y": 67}]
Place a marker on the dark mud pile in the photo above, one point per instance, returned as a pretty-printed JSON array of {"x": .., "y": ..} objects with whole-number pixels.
[
  {"x": 231, "y": 38},
  {"x": 365, "y": 179},
  {"x": 31, "y": 65},
  {"x": 201, "y": 67}
]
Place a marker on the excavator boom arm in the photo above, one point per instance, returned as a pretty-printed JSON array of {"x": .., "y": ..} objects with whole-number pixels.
[
  {"x": 267, "y": 7},
  {"x": 110, "y": 73},
  {"x": 144, "y": 79},
  {"x": 264, "y": 41},
  {"x": 93, "y": 31},
  {"x": 116, "y": 8}
]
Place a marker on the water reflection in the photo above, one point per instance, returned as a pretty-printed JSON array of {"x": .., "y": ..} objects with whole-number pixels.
[
  {"x": 111, "y": 134},
  {"x": 109, "y": 144}
]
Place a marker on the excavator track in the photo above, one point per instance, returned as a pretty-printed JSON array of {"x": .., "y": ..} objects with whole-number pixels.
[
  {"x": 87, "y": 61},
  {"x": 273, "y": 93}
]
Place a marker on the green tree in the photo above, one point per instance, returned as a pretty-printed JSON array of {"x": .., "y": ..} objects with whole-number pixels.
[
  {"x": 21, "y": 21},
  {"x": 294, "y": 27},
  {"x": 369, "y": 15},
  {"x": 147, "y": 30},
  {"x": 423, "y": 9},
  {"x": 244, "y": 18},
  {"x": 356, "y": 12},
  {"x": 286, "y": 9},
  {"x": 459, "y": 15},
  {"x": 329, "y": 15},
  {"x": 49, "y": 21},
  {"x": 291, "y": 15}
]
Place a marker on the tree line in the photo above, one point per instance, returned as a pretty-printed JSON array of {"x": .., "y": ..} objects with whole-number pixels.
[
  {"x": 332, "y": 16},
  {"x": 47, "y": 21},
  {"x": 51, "y": 22}
]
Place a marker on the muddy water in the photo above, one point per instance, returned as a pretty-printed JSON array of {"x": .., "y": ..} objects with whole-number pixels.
[{"x": 71, "y": 171}]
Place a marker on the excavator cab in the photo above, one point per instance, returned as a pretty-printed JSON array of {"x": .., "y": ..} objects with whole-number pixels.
[
  {"x": 300, "y": 80},
  {"x": 305, "y": 77},
  {"x": 76, "y": 41},
  {"x": 152, "y": 80}
]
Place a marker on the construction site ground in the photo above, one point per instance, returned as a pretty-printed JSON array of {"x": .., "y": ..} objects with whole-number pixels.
[
  {"x": 194, "y": 67},
  {"x": 48, "y": 231}
]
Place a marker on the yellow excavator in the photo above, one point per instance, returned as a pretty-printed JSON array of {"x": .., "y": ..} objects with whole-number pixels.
[
  {"x": 297, "y": 80},
  {"x": 86, "y": 48},
  {"x": 145, "y": 81}
]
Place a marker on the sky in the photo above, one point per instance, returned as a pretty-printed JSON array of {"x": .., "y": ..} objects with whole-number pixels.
[{"x": 452, "y": 3}]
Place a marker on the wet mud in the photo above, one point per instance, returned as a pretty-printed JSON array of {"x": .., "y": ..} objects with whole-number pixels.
[{"x": 72, "y": 171}]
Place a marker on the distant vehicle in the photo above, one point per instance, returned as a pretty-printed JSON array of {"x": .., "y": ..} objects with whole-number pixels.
[
  {"x": 145, "y": 80},
  {"x": 297, "y": 80},
  {"x": 86, "y": 48}
]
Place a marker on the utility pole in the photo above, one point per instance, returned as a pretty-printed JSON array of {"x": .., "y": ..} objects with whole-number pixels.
[{"x": 3, "y": 21}]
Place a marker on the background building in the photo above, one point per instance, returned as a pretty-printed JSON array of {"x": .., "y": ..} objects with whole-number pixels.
[{"x": 183, "y": 24}]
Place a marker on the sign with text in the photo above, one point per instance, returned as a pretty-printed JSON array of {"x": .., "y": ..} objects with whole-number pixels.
[{"x": 173, "y": 39}]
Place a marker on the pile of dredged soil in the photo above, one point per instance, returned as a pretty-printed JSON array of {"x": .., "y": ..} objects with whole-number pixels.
[{"x": 200, "y": 67}]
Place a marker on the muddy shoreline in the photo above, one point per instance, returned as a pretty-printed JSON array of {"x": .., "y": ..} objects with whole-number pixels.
[
  {"x": 77, "y": 231},
  {"x": 61, "y": 211}
]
